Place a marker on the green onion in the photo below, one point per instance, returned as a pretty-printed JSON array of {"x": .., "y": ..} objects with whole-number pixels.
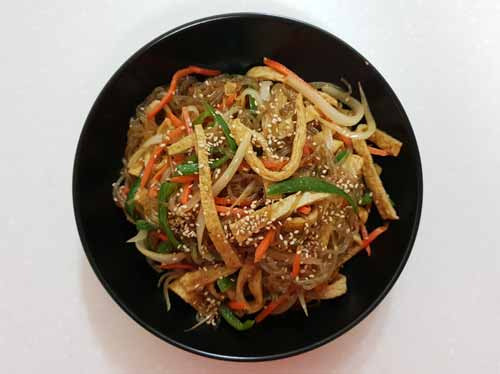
[
  {"x": 201, "y": 118},
  {"x": 192, "y": 158},
  {"x": 309, "y": 184},
  {"x": 142, "y": 224},
  {"x": 187, "y": 169},
  {"x": 130, "y": 204},
  {"x": 366, "y": 199},
  {"x": 231, "y": 319},
  {"x": 225, "y": 284},
  {"x": 225, "y": 128},
  {"x": 166, "y": 189},
  {"x": 164, "y": 247},
  {"x": 342, "y": 155},
  {"x": 192, "y": 168},
  {"x": 252, "y": 104}
]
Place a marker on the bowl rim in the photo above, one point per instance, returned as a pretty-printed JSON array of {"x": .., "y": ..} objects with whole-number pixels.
[{"x": 166, "y": 338}]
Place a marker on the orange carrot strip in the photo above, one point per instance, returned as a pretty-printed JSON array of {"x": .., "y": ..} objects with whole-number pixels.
[
  {"x": 269, "y": 308},
  {"x": 233, "y": 211},
  {"x": 264, "y": 245},
  {"x": 306, "y": 209},
  {"x": 307, "y": 150},
  {"x": 230, "y": 100},
  {"x": 171, "y": 137},
  {"x": 178, "y": 158},
  {"x": 185, "y": 193},
  {"x": 237, "y": 305},
  {"x": 161, "y": 236},
  {"x": 345, "y": 139},
  {"x": 175, "y": 120},
  {"x": 160, "y": 172},
  {"x": 373, "y": 235},
  {"x": 295, "y": 266},
  {"x": 173, "y": 85},
  {"x": 178, "y": 266},
  {"x": 243, "y": 166},
  {"x": 184, "y": 179},
  {"x": 187, "y": 120},
  {"x": 149, "y": 167},
  {"x": 364, "y": 234},
  {"x": 378, "y": 151},
  {"x": 280, "y": 68},
  {"x": 124, "y": 190},
  {"x": 274, "y": 165},
  {"x": 153, "y": 191}
]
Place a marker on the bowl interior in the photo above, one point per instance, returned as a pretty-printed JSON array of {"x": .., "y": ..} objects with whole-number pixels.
[{"x": 233, "y": 43}]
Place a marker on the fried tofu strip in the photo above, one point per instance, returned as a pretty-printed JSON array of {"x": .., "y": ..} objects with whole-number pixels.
[
  {"x": 386, "y": 142},
  {"x": 255, "y": 221},
  {"x": 336, "y": 289},
  {"x": 265, "y": 73},
  {"x": 188, "y": 286},
  {"x": 181, "y": 146},
  {"x": 374, "y": 183},
  {"x": 192, "y": 298},
  {"x": 198, "y": 279},
  {"x": 213, "y": 224}
]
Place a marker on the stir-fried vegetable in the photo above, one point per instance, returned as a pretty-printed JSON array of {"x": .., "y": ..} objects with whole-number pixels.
[
  {"x": 142, "y": 224},
  {"x": 225, "y": 128},
  {"x": 214, "y": 226},
  {"x": 309, "y": 184},
  {"x": 164, "y": 247},
  {"x": 233, "y": 321},
  {"x": 264, "y": 245},
  {"x": 271, "y": 183},
  {"x": 166, "y": 190},
  {"x": 342, "y": 155},
  {"x": 173, "y": 85},
  {"x": 192, "y": 168},
  {"x": 310, "y": 93},
  {"x": 366, "y": 199},
  {"x": 129, "y": 204},
  {"x": 225, "y": 284},
  {"x": 252, "y": 104}
]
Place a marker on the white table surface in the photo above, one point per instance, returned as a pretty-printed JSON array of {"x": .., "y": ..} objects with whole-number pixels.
[{"x": 442, "y": 60}]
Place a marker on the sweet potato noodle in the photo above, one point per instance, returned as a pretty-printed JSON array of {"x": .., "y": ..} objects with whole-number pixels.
[{"x": 249, "y": 192}]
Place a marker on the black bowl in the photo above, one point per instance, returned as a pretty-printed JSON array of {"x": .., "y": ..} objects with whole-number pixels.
[{"x": 233, "y": 43}]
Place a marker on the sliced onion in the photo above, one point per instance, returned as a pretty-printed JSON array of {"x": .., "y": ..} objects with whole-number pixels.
[
  {"x": 155, "y": 139},
  {"x": 252, "y": 92},
  {"x": 370, "y": 121},
  {"x": 231, "y": 170},
  {"x": 312, "y": 95},
  {"x": 302, "y": 302},
  {"x": 164, "y": 258},
  {"x": 140, "y": 236},
  {"x": 265, "y": 90},
  {"x": 342, "y": 96},
  {"x": 171, "y": 277},
  {"x": 199, "y": 323},
  {"x": 365, "y": 134}
]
